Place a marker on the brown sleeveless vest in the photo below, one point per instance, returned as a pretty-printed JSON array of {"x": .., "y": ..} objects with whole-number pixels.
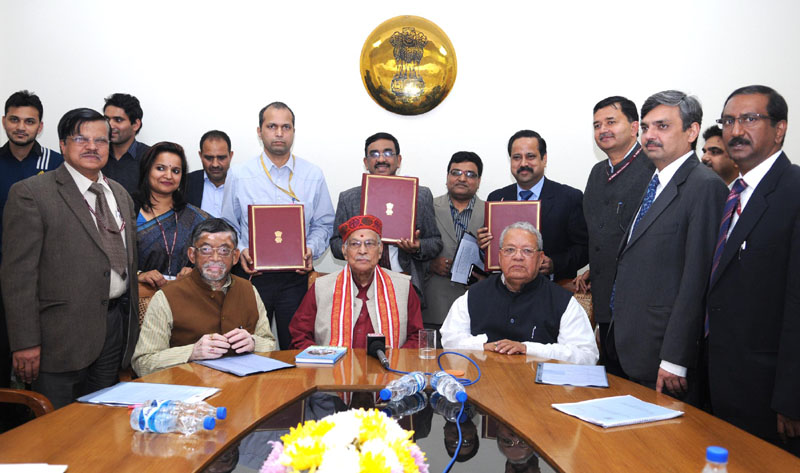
[{"x": 198, "y": 310}]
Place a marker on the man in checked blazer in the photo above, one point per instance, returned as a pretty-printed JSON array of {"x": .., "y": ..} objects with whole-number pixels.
[
  {"x": 382, "y": 157},
  {"x": 70, "y": 290},
  {"x": 665, "y": 255}
]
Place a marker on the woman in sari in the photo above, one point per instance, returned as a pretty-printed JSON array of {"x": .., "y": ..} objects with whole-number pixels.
[{"x": 165, "y": 221}]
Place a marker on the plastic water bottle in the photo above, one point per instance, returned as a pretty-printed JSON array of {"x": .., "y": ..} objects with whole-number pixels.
[
  {"x": 407, "y": 406},
  {"x": 449, "y": 410},
  {"x": 202, "y": 407},
  {"x": 716, "y": 460},
  {"x": 171, "y": 416},
  {"x": 405, "y": 386},
  {"x": 446, "y": 385}
]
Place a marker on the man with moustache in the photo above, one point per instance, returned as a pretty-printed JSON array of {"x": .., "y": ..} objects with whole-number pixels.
[
  {"x": 459, "y": 211},
  {"x": 21, "y": 157},
  {"x": 205, "y": 188},
  {"x": 276, "y": 176},
  {"x": 562, "y": 224},
  {"x": 69, "y": 268},
  {"x": 206, "y": 315},
  {"x": 657, "y": 300},
  {"x": 382, "y": 157},
  {"x": 612, "y": 196},
  {"x": 753, "y": 305},
  {"x": 124, "y": 114},
  {"x": 716, "y": 156}
]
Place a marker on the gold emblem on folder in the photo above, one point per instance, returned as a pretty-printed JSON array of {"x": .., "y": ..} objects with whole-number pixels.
[
  {"x": 389, "y": 208},
  {"x": 279, "y": 237}
]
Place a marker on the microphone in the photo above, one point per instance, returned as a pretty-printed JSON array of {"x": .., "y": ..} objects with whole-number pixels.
[{"x": 376, "y": 346}]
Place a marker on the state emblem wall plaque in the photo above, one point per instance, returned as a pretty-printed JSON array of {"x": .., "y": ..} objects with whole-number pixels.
[{"x": 408, "y": 65}]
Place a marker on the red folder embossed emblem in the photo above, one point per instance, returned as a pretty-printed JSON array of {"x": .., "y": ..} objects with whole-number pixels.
[
  {"x": 393, "y": 199},
  {"x": 277, "y": 236},
  {"x": 499, "y": 215}
]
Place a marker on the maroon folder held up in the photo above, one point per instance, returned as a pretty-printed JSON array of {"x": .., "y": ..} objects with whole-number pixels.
[
  {"x": 277, "y": 237},
  {"x": 499, "y": 215},
  {"x": 393, "y": 199}
]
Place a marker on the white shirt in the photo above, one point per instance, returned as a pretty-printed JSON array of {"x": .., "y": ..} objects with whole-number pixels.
[
  {"x": 575, "y": 343},
  {"x": 117, "y": 286},
  {"x": 212, "y": 196},
  {"x": 752, "y": 179}
]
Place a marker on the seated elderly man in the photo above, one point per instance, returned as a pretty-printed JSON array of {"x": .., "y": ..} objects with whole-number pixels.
[
  {"x": 519, "y": 311},
  {"x": 206, "y": 315},
  {"x": 342, "y": 308}
]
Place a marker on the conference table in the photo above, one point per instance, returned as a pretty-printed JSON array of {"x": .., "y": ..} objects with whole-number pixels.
[{"x": 96, "y": 438}]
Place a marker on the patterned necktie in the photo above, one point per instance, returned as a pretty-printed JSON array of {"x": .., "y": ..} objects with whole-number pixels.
[
  {"x": 649, "y": 197},
  {"x": 110, "y": 234},
  {"x": 525, "y": 195}
]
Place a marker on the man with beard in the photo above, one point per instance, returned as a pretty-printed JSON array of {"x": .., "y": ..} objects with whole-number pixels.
[
  {"x": 561, "y": 220},
  {"x": 21, "y": 157},
  {"x": 206, "y": 187},
  {"x": 124, "y": 114},
  {"x": 206, "y": 315}
]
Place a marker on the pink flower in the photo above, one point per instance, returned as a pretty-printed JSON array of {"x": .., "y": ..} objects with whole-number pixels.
[
  {"x": 272, "y": 465},
  {"x": 419, "y": 458}
]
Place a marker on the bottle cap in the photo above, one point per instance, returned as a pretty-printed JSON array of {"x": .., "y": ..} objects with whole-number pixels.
[
  {"x": 461, "y": 396},
  {"x": 385, "y": 394},
  {"x": 209, "y": 423},
  {"x": 717, "y": 455},
  {"x": 222, "y": 412}
]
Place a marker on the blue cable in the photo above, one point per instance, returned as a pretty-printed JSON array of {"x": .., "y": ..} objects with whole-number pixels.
[
  {"x": 458, "y": 427},
  {"x": 463, "y": 381}
]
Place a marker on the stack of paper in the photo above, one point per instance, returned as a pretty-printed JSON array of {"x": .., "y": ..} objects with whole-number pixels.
[
  {"x": 616, "y": 411},
  {"x": 128, "y": 394}
]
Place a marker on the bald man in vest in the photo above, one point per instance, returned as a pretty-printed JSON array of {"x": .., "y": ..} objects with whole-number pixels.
[{"x": 206, "y": 315}]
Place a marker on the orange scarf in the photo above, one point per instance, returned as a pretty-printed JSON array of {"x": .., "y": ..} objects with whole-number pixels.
[{"x": 342, "y": 312}]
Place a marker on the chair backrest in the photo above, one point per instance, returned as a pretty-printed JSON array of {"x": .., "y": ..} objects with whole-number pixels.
[{"x": 36, "y": 402}]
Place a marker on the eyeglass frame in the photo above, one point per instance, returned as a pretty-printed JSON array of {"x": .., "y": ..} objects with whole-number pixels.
[
  {"x": 83, "y": 141},
  {"x": 370, "y": 244},
  {"x": 208, "y": 250},
  {"x": 754, "y": 117},
  {"x": 387, "y": 153},
  {"x": 468, "y": 174},
  {"x": 504, "y": 250}
]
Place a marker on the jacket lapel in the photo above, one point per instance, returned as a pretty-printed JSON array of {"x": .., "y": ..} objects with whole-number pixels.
[
  {"x": 76, "y": 203},
  {"x": 121, "y": 196},
  {"x": 441, "y": 207},
  {"x": 664, "y": 199},
  {"x": 546, "y": 198},
  {"x": 756, "y": 206}
]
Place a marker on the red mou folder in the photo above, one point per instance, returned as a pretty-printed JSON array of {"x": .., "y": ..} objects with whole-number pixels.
[
  {"x": 499, "y": 215},
  {"x": 277, "y": 236},
  {"x": 393, "y": 199}
]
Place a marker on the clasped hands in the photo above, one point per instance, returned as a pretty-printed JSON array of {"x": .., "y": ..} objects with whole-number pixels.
[
  {"x": 211, "y": 346},
  {"x": 507, "y": 347}
]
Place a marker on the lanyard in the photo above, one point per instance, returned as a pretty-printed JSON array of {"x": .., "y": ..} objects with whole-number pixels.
[
  {"x": 616, "y": 173},
  {"x": 169, "y": 250},
  {"x": 289, "y": 192}
]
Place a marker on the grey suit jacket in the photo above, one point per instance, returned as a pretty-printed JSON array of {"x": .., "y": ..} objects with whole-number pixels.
[
  {"x": 349, "y": 206},
  {"x": 55, "y": 273},
  {"x": 440, "y": 291},
  {"x": 662, "y": 273}
]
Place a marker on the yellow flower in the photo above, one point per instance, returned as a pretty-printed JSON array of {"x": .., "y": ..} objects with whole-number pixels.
[
  {"x": 374, "y": 463},
  {"x": 403, "y": 452},
  {"x": 305, "y": 454},
  {"x": 373, "y": 425}
]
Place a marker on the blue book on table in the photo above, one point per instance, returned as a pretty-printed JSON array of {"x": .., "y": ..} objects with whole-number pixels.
[{"x": 320, "y": 354}]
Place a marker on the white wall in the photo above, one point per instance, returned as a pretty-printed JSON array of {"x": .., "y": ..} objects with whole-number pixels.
[{"x": 198, "y": 65}]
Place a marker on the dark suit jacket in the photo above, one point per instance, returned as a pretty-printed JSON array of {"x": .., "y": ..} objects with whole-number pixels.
[
  {"x": 55, "y": 272},
  {"x": 440, "y": 291},
  {"x": 194, "y": 188},
  {"x": 563, "y": 227},
  {"x": 662, "y": 273},
  {"x": 349, "y": 206},
  {"x": 754, "y": 309},
  {"x": 609, "y": 208}
]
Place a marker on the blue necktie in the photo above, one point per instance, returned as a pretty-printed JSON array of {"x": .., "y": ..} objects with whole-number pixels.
[
  {"x": 525, "y": 195},
  {"x": 649, "y": 197}
]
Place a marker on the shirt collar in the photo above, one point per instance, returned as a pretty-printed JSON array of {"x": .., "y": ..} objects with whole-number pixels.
[
  {"x": 290, "y": 163},
  {"x": 84, "y": 182},
  {"x": 36, "y": 150},
  {"x": 665, "y": 175},
  {"x": 755, "y": 175},
  {"x": 469, "y": 207},
  {"x": 536, "y": 189},
  {"x": 627, "y": 158}
]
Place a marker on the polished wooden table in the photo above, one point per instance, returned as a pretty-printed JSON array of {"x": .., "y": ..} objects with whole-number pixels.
[{"x": 99, "y": 438}]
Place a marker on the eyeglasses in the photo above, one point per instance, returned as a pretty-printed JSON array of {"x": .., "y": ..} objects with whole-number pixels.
[
  {"x": 509, "y": 251},
  {"x": 452, "y": 445},
  {"x": 387, "y": 153},
  {"x": 459, "y": 173},
  {"x": 509, "y": 442},
  {"x": 368, "y": 244},
  {"x": 747, "y": 120},
  {"x": 206, "y": 250},
  {"x": 84, "y": 141}
]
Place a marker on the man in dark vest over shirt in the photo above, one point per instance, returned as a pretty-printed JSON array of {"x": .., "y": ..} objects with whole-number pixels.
[
  {"x": 520, "y": 311},
  {"x": 206, "y": 315}
]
